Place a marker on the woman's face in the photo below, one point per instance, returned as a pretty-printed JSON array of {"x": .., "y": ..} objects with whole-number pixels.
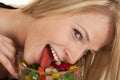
[{"x": 68, "y": 35}]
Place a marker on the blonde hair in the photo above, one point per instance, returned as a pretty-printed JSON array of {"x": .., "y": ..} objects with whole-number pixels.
[{"x": 106, "y": 63}]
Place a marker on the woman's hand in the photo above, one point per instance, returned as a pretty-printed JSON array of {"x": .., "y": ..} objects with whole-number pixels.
[{"x": 7, "y": 54}]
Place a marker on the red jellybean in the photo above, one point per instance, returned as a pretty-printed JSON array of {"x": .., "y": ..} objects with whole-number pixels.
[
  {"x": 64, "y": 67},
  {"x": 42, "y": 77},
  {"x": 61, "y": 68},
  {"x": 54, "y": 64}
]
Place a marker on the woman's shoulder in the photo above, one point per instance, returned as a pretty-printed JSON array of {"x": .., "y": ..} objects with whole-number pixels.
[
  {"x": 5, "y": 16},
  {"x": 5, "y": 10}
]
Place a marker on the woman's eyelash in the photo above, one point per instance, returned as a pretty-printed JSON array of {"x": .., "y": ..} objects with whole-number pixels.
[{"x": 77, "y": 34}]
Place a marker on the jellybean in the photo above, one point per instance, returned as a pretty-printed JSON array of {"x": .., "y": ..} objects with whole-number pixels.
[
  {"x": 27, "y": 77},
  {"x": 33, "y": 76},
  {"x": 41, "y": 70},
  {"x": 48, "y": 77},
  {"x": 54, "y": 70},
  {"x": 54, "y": 64},
  {"x": 56, "y": 76},
  {"x": 42, "y": 77},
  {"x": 69, "y": 76},
  {"x": 23, "y": 63},
  {"x": 73, "y": 67},
  {"x": 48, "y": 70},
  {"x": 63, "y": 67},
  {"x": 35, "y": 66},
  {"x": 51, "y": 67}
]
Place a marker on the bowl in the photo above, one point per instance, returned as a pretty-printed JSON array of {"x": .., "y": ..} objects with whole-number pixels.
[{"x": 28, "y": 73}]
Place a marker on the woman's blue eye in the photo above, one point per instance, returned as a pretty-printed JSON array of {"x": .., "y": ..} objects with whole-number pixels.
[{"x": 77, "y": 34}]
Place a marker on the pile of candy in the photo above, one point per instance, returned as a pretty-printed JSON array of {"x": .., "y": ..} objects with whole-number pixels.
[{"x": 64, "y": 71}]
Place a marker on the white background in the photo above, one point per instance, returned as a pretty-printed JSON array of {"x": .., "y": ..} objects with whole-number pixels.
[{"x": 16, "y": 3}]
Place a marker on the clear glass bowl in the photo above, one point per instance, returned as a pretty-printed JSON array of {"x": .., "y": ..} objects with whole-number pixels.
[{"x": 26, "y": 73}]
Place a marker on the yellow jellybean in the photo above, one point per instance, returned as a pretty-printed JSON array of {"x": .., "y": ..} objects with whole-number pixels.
[
  {"x": 56, "y": 76},
  {"x": 24, "y": 64},
  {"x": 72, "y": 67},
  {"x": 27, "y": 77},
  {"x": 51, "y": 67}
]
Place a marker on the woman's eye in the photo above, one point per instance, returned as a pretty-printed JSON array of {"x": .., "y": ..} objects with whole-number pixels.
[{"x": 77, "y": 34}]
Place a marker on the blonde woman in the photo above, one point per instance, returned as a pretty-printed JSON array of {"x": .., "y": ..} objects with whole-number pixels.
[{"x": 73, "y": 28}]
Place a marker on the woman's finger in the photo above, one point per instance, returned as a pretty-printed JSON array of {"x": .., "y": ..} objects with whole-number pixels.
[
  {"x": 10, "y": 47},
  {"x": 7, "y": 64},
  {"x": 8, "y": 43},
  {"x": 5, "y": 51},
  {"x": 4, "y": 38}
]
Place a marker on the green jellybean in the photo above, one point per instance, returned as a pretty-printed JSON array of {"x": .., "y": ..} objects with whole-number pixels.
[
  {"x": 69, "y": 76},
  {"x": 34, "y": 76},
  {"x": 35, "y": 66}
]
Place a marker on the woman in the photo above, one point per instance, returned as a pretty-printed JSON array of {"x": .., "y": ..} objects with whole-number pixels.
[{"x": 72, "y": 28}]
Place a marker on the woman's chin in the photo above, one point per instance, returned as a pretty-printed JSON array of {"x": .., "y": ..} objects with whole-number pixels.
[{"x": 34, "y": 56}]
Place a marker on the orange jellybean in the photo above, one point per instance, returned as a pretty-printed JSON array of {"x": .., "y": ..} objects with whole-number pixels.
[{"x": 41, "y": 70}]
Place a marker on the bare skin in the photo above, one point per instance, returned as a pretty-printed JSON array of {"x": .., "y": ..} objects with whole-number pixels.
[{"x": 68, "y": 35}]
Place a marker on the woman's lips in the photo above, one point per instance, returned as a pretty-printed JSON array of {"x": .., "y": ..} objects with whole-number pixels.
[{"x": 47, "y": 55}]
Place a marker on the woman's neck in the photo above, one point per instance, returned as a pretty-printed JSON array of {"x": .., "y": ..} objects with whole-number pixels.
[{"x": 15, "y": 25}]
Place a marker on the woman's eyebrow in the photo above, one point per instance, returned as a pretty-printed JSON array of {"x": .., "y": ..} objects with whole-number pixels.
[{"x": 86, "y": 34}]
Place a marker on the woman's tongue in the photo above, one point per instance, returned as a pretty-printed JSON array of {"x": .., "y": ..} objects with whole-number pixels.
[{"x": 46, "y": 58}]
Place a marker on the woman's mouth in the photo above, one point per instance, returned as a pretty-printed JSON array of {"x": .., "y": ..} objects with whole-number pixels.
[
  {"x": 58, "y": 62},
  {"x": 47, "y": 56}
]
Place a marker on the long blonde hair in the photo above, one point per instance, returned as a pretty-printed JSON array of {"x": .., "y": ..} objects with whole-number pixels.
[{"x": 106, "y": 63}]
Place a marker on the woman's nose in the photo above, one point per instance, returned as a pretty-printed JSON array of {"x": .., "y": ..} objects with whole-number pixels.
[{"x": 72, "y": 55}]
